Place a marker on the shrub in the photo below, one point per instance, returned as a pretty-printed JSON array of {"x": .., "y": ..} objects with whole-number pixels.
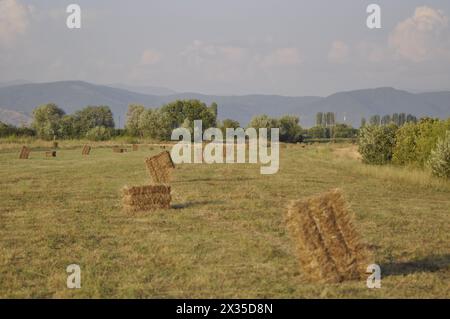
[
  {"x": 99, "y": 133},
  {"x": 414, "y": 142},
  {"x": 376, "y": 143},
  {"x": 406, "y": 144},
  {"x": 439, "y": 160},
  {"x": 430, "y": 130}
]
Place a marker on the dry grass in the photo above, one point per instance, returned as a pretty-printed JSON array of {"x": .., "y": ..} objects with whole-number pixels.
[{"x": 224, "y": 237}]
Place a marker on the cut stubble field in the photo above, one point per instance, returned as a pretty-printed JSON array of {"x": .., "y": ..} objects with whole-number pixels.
[{"x": 225, "y": 235}]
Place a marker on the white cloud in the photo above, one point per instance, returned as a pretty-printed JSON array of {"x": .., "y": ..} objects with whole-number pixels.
[
  {"x": 150, "y": 57},
  {"x": 339, "y": 52},
  {"x": 199, "y": 52},
  {"x": 282, "y": 57},
  {"x": 421, "y": 37},
  {"x": 13, "y": 20}
]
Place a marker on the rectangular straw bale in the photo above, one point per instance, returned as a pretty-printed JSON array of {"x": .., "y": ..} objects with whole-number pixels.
[
  {"x": 328, "y": 246},
  {"x": 117, "y": 149},
  {"x": 86, "y": 150},
  {"x": 159, "y": 167},
  {"x": 135, "y": 147},
  {"x": 50, "y": 154},
  {"x": 145, "y": 198},
  {"x": 24, "y": 153}
]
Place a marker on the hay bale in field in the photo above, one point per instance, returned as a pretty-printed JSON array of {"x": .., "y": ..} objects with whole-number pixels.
[
  {"x": 24, "y": 153},
  {"x": 159, "y": 167},
  {"x": 117, "y": 149},
  {"x": 146, "y": 198},
  {"x": 328, "y": 246},
  {"x": 86, "y": 150},
  {"x": 50, "y": 154},
  {"x": 135, "y": 147}
]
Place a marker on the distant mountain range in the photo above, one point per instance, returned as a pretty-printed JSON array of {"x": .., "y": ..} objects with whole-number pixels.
[{"x": 18, "y": 101}]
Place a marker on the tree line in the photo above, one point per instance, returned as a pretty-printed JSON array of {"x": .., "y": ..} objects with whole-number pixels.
[
  {"x": 398, "y": 119},
  {"x": 97, "y": 122}
]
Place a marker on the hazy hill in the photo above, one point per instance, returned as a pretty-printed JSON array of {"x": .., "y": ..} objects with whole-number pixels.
[
  {"x": 150, "y": 90},
  {"x": 14, "y": 118},
  {"x": 74, "y": 95}
]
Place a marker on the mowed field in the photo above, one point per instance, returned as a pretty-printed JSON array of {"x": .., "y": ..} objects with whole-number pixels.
[{"x": 225, "y": 235}]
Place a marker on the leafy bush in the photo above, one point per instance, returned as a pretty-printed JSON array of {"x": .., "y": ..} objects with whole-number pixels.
[
  {"x": 99, "y": 133},
  {"x": 414, "y": 142},
  {"x": 406, "y": 144},
  {"x": 376, "y": 143},
  {"x": 439, "y": 160},
  {"x": 430, "y": 130}
]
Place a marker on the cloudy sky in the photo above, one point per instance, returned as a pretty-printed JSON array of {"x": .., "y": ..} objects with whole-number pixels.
[{"x": 287, "y": 47}]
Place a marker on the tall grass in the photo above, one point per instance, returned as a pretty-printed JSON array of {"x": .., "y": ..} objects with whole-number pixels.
[{"x": 410, "y": 175}]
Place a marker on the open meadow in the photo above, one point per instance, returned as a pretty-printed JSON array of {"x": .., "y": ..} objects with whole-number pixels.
[{"x": 225, "y": 235}]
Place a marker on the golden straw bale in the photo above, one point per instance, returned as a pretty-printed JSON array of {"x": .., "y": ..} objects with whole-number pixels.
[
  {"x": 24, "y": 153},
  {"x": 86, "y": 150},
  {"x": 329, "y": 248},
  {"x": 160, "y": 167},
  {"x": 146, "y": 198}
]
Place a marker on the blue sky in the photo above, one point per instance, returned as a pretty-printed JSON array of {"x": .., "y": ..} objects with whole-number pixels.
[{"x": 287, "y": 47}]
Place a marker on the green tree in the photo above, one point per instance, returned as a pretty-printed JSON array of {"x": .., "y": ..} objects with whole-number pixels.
[
  {"x": 290, "y": 130},
  {"x": 406, "y": 144},
  {"x": 47, "y": 120},
  {"x": 344, "y": 131},
  {"x": 375, "y": 120},
  {"x": 319, "y": 119},
  {"x": 99, "y": 133},
  {"x": 430, "y": 130},
  {"x": 263, "y": 121},
  {"x": 396, "y": 119},
  {"x": 401, "y": 119},
  {"x": 363, "y": 122},
  {"x": 133, "y": 115},
  {"x": 66, "y": 127},
  {"x": 439, "y": 160},
  {"x": 90, "y": 117},
  {"x": 155, "y": 123},
  {"x": 411, "y": 119},
  {"x": 192, "y": 110},
  {"x": 376, "y": 143},
  {"x": 214, "y": 109},
  {"x": 318, "y": 132},
  {"x": 386, "y": 119},
  {"x": 229, "y": 123}
]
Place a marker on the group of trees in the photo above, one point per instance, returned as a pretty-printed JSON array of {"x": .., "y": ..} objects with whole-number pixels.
[
  {"x": 425, "y": 143},
  {"x": 325, "y": 119},
  {"x": 94, "y": 122},
  {"x": 290, "y": 129},
  {"x": 7, "y": 130},
  {"x": 398, "y": 119},
  {"x": 327, "y": 127},
  {"x": 158, "y": 123}
]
